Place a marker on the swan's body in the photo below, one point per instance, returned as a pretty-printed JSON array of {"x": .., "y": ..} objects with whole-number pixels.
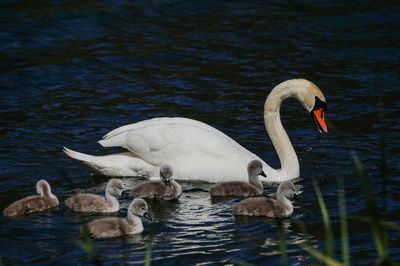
[
  {"x": 166, "y": 189},
  {"x": 36, "y": 203},
  {"x": 197, "y": 151},
  {"x": 114, "y": 227},
  {"x": 242, "y": 189},
  {"x": 88, "y": 202},
  {"x": 261, "y": 206}
]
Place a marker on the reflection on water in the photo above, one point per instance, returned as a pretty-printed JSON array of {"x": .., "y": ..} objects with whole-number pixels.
[{"x": 72, "y": 71}]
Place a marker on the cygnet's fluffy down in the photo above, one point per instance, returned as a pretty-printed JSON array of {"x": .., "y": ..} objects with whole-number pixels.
[
  {"x": 88, "y": 202},
  {"x": 242, "y": 189},
  {"x": 261, "y": 206},
  {"x": 36, "y": 203},
  {"x": 114, "y": 227},
  {"x": 166, "y": 189}
]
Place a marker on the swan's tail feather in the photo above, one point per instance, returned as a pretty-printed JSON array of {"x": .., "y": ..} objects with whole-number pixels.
[
  {"x": 78, "y": 155},
  {"x": 114, "y": 138}
]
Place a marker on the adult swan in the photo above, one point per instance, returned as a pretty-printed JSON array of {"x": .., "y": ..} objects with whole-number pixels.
[{"x": 197, "y": 151}]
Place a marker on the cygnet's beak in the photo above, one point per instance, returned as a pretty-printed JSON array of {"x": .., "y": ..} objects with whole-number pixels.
[
  {"x": 147, "y": 216},
  {"x": 126, "y": 194},
  {"x": 296, "y": 198},
  {"x": 263, "y": 174}
]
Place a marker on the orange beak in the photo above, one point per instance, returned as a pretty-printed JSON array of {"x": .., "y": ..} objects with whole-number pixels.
[{"x": 319, "y": 118}]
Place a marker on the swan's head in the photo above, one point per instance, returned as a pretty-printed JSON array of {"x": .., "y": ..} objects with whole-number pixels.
[
  {"x": 254, "y": 169},
  {"x": 115, "y": 187},
  {"x": 313, "y": 100},
  {"x": 139, "y": 207},
  {"x": 42, "y": 187},
  {"x": 286, "y": 189},
  {"x": 166, "y": 174},
  {"x": 306, "y": 92}
]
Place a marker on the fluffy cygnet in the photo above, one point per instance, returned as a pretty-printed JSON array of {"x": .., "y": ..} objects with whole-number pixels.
[
  {"x": 36, "y": 203},
  {"x": 261, "y": 206},
  {"x": 113, "y": 227},
  {"x": 166, "y": 189},
  {"x": 242, "y": 189},
  {"x": 88, "y": 202}
]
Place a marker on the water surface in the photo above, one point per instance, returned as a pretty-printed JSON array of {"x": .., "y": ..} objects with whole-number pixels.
[{"x": 72, "y": 71}]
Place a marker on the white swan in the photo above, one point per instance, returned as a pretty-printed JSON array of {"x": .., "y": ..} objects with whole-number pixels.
[{"x": 197, "y": 151}]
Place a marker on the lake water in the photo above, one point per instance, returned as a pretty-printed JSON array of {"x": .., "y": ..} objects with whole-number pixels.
[{"x": 71, "y": 71}]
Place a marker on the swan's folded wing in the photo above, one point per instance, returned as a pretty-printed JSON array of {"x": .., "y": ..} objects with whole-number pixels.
[
  {"x": 117, "y": 136},
  {"x": 108, "y": 227},
  {"x": 170, "y": 141}
]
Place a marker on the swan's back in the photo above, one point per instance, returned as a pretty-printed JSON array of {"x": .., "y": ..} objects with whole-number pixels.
[
  {"x": 109, "y": 227},
  {"x": 260, "y": 206},
  {"x": 149, "y": 189},
  {"x": 30, "y": 204},
  {"x": 117, "y": 136},
  {"x": 87, "y": 203},
  {"x": 157, "y": 189},
  {"x": 236, "y": 189}
]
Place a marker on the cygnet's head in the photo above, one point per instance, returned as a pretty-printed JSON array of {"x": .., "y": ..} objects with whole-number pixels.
[
  {"x": 286, "y": 189},
  {"x": 254, "y": 169},
  {"x": 42, "y": 187},
  {"x": 166, "y": 174},
  {"x": 139, "y": 207},
  {"x": 115, "y": 187}
]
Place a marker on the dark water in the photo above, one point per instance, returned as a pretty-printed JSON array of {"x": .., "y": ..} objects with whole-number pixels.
[{"x": 70, "y": 71}]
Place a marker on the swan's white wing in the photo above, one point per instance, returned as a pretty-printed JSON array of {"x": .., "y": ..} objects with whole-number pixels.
[
  {"x": 155, "y": 143},
  {"x": 194, "y": 149},
  {"x": 117, "y": 136}
]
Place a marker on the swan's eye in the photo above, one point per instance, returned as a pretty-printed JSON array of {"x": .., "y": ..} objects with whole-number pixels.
[{"x": 320, "y": 104}]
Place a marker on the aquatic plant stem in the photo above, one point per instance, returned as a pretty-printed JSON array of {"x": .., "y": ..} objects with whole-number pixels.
[
  {"x": 320, "y": 256},
  {"x": 282, "y": 242},
  {"x": 327, "y": 225},
  {"x": 380, "y": 237},
  {"x": 343, "y": 222},
  {"x": 147, "y": 261}
]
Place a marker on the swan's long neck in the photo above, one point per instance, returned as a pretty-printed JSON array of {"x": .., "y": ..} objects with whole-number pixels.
[
  {"x": 112, "y": 200},
  {"x": 289, "y": 163},
  {"x": 44, "y": 190},
  {"x": 286, "y": 203},
  {"x": 135, "y": 222}
]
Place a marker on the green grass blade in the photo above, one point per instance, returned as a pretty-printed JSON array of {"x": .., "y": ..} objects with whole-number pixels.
[
  {"x": 282, "y": 242},
  {"x": 320, "y": 256},
  {"x": 88, "y": 245},
  {"x": 147, "y": 260},
  {"x": 378, "y": 231},
  {"x": 381, "y": 222},
  {"x": 343, "y": 223},
  {"x": 327, "y": 225}
]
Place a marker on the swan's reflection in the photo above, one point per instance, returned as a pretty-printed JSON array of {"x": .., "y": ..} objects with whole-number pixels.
[
  {"x": 162, "y": 209},
  {"x": 242, "y": 220}
]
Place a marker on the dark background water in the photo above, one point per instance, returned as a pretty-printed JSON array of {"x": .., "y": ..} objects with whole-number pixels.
[{"x": 70, "y": 71}]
